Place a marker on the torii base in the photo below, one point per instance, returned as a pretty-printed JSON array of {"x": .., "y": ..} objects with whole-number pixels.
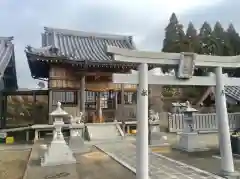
[{"x": 230, "y": 175}]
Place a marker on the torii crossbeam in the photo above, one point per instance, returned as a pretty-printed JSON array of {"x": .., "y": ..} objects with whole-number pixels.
[{"x": 185, "y": 63}]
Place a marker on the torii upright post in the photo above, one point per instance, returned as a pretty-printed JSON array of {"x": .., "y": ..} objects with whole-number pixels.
[
  {"x": 227, "y": 165},
  {"x": 142, "y": 123}
]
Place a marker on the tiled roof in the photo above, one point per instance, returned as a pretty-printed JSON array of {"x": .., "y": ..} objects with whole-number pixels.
[
  {"x": 233, "y": 92},
  {"x": 6, "y": 52},
  {"x": 78, "y": 45},
  {"x": 230, "y": 91}
]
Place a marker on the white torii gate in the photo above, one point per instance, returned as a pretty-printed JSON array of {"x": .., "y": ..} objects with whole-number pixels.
[{"x": 185, "y": 62}]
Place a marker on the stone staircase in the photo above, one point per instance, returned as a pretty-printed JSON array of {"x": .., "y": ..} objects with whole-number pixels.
[{"x": 103, "y": 131}]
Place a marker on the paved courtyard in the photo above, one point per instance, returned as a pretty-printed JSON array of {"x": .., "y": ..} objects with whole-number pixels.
[
  {"x": 95, "y": 164},
  {"x": 159, "y": 165},
  {"x": 13, "y": 161},
  {"x": 92, "y": 164}
]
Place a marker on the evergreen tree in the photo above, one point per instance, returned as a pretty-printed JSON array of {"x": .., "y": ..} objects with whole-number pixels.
[
  {"x": 222, "y": 47},
  {"x": 192, "y": 38},
  {"x": 174, "y": 35},
  {"x": 234, "y": 41},
  {"x": 206, "y": 40}
]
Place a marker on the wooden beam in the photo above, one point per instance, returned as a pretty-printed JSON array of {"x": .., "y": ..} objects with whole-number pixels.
[{"x": 98, "y": 73}]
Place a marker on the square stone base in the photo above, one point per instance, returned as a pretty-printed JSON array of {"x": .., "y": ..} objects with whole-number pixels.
[
  {"x": 189, "y": 142},
  {"x": 58, "y": 153}
]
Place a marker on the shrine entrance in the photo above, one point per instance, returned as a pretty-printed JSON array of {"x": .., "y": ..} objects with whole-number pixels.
[{"x": 184, "y": 63}]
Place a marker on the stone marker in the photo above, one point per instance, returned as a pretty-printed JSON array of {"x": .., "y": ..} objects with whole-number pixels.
[{"x": 58, "y": 152}]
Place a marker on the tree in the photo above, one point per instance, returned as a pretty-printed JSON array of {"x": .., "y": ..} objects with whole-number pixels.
[
  {"x": 206, "y": 40},
  {"x": 192, "y": 39},
  {"x": 234, "y": 41},
  {"x": 223, "y": 47},
  {"x": 205, "y": 45},
  {"x": 174, "y": 35}
]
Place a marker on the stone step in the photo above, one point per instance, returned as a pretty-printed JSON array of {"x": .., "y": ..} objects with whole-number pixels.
[
  {"x": 100, "y": 132},
  {"x": 161, "y": 149}
]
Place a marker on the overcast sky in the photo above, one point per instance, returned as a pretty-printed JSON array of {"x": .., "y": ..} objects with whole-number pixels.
[{"x": 144, "y": 19}]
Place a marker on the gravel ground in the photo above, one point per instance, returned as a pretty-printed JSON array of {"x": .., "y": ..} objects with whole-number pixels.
[{"x": 13, "y": 163}]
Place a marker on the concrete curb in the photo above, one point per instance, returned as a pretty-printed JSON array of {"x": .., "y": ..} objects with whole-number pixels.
[{"x": 27, "y": 165}]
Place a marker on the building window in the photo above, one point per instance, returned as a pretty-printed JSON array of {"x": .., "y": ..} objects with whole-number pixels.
[
  {"x": 90, "y": 97},
  {"x": 106, "y": 97},
  {"x": 129, "y": 97},
  {"x": 65, "y": 97}
]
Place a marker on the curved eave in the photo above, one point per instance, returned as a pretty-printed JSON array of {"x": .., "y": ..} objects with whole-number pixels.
[
  {"x": 47, "y": 58},
  {"x": 84, "y": 63},
  {"x": 38, "y": 69},
  {"x": 39, "y": 63}
]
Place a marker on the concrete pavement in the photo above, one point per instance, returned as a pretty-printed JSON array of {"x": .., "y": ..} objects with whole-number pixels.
[{"x": 160, "y": 166}]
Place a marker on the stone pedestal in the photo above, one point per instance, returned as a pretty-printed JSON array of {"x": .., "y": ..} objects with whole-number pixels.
[
  {"x": 189, "y": 142},
  {"x": 58, "y": 153},
  {"x": 76, "y": 141},
  {"x": 155, "y": 129}
]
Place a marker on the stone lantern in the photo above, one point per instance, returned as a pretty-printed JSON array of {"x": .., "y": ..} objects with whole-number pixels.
[
  {"x": 58, "y": 114},
  {"x": 58, "y": 153},
  {"x": 188, "y": 118},
  {"x": 189, "y": 138}
]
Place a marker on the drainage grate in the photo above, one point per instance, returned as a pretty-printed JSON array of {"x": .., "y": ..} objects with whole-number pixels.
[{"x": 57, "y": 175}]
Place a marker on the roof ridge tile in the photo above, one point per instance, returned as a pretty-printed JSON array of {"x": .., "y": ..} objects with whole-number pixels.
[
  {"x": 6, "y": 39},
  {"x": 87, "y": 34}
]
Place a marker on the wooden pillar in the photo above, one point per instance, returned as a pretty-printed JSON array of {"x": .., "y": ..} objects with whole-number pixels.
[
  {"x": 50, "y": 105},
  {"x": 123, "y": 117},
  {"x": 99, "y": 110},
  {"x": 122, "y": 98},
  {"x": 115, "y": 104},
  {"x": 82, "y": 99},
  {"x": 3, "y": 110},
  {"x": 79, "y": 101}
]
